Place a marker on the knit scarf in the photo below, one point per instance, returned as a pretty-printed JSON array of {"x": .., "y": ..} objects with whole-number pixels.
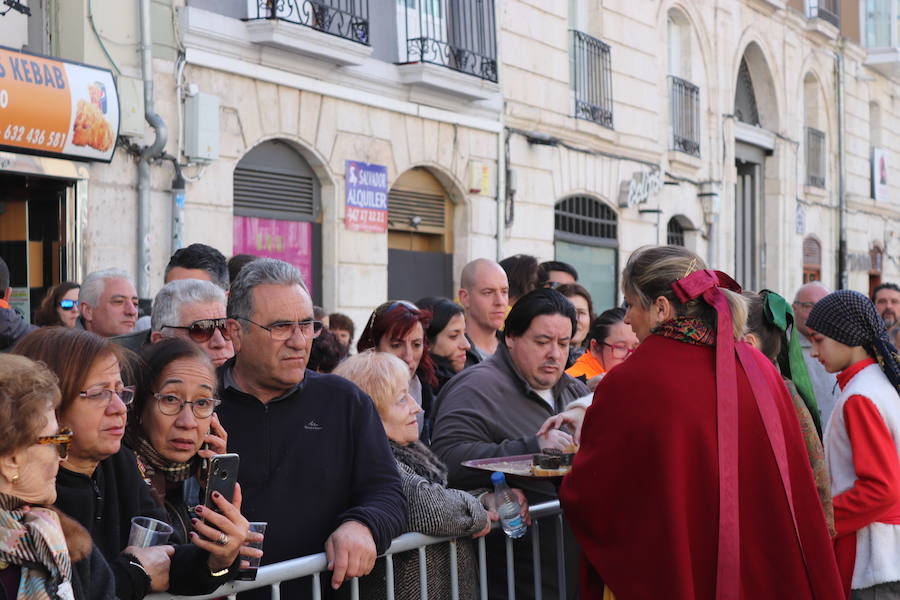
[
  {"x": 422, "y": 461},
  {"x": 851, "y": 319},
  {"x": 152, "y": 462},
  {"x": 690, "y": 330},
  {"x": 33, "y": 540}
]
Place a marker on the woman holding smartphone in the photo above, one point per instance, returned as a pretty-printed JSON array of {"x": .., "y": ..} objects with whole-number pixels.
[
  {"x": 171, "y": 419},
  {"x": 99, "y": 484}
]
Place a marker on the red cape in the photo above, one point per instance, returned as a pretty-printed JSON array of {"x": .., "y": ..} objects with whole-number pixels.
[{"x": 642, "y": 496}]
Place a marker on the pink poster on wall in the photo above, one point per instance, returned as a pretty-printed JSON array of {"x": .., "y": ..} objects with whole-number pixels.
[{"x": 290, "y": 241}]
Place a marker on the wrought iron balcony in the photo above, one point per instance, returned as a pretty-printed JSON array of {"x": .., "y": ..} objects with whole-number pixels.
[
  {"x": 457, "y": 34},
  {"x": 684, "y": 113},
  {"x": 815, "y": 157},
  {"x": 348, "y": 19},
  {"x": 827, "y": 10},
  {"x": 592, "y": 79}
]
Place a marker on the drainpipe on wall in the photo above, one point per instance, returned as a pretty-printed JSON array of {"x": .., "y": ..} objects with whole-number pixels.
[
  {"x": 148, "y": 153},
  {"x": 843, "y": 278}
]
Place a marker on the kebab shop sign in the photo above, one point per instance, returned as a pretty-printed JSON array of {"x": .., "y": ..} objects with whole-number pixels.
[
  {"x": 367, "y": 192},
  {"x": 57, "y": 108}
]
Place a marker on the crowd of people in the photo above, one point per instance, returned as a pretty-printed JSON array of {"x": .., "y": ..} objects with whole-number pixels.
[{"x": 730, "y": 443}]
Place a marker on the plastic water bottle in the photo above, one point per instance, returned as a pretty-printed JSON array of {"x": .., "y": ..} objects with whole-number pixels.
[{"x": 507, "y": 507}]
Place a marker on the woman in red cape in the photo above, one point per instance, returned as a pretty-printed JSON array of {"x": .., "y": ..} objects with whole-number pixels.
[{"x": 658, "y": 515}]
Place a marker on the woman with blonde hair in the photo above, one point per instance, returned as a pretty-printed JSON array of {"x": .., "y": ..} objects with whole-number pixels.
[
  {"x": 434, "y": 509},
  {"x": 657, "y": 496}
]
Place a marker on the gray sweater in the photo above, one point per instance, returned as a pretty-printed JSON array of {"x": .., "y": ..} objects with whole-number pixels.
[{"x": 490, "y": 410}]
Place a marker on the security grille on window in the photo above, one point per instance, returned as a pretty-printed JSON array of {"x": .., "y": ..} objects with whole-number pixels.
[
  {"x": 674, "y": 233},
  {"x": 815, "y": 157},
  {"x": 586, "y": 237},
  {"x": 684, "y": 111},
  {"x": 592, "y": 79}
]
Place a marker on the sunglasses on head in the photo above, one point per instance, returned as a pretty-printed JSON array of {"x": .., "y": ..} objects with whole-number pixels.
[
  {"x": 387, "y": 307},
  {"x": 68, "y": 304},
  {"x": 203, "y": 329}
]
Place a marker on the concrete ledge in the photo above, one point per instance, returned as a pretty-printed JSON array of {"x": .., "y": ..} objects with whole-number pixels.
[
  {"x": 884, "y": 60},
  {"x": 682, "y": 163},
  {"x": 307, "y": 41},
  {"x": 448, "y": 81}
]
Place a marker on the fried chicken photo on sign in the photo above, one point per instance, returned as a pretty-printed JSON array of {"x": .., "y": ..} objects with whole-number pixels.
[{"x": 91, "y": 128}]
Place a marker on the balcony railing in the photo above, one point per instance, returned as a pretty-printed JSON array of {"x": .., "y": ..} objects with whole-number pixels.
[
  {"x": 815, "y": 157},
  {"x": 348, "y": 19},
  {"x": 827, "y": 10},
  {"x": 684, "y": 112},
  {"x": 592, "y": 79},
  {"x": 457, "y": 34}
]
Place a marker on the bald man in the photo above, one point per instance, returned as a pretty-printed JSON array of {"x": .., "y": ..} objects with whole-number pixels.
[
  {"x": 484, "y": 293},
  {"x": 824, "y": 383}
]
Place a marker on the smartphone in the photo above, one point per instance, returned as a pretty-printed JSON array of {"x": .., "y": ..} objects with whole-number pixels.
[{"x": 221, "y": 477}]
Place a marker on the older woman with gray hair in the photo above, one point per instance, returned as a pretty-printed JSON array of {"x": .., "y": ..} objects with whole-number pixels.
[
  {"x": 193, "y": 310},
  {"x": 434, "y": 509},
  {"x": 43, "y": 553}
]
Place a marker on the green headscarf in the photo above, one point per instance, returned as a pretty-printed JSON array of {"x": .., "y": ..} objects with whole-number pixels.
[{"x": 779, "y": 313}]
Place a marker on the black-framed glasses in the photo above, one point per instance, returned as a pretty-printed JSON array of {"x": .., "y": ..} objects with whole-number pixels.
[
  {"x": 619, "y": 350},
  {"x": 170, "y": 404},
  {"x": 68, "y": 304},
  {"x": 285, "y": 330},
  {"x": 202, "y": 330},
  {"x": 61, "y": 440},
  {"x": 102, "y": 397}
]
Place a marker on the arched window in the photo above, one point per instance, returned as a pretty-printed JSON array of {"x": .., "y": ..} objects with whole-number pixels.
[
  {"x": 586, "y": 236},
  {"x": 745, "y": 108},
  {"x": 812, "y": 260},
  {"x": 674, "y": 233},
  {"x": 420, "y": 237},
  {"x": 276, "y": 209}
]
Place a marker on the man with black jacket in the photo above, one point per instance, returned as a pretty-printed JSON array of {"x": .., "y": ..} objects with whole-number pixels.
[{"x": 315, "y": 461}]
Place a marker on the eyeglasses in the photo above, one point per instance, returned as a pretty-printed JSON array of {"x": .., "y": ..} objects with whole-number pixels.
[
  {"x": 805, "y": 305},
  {"x": 285, "y": 330},
  {"x": 68, "y": 304},
  {"x": 202, "y": 330},
  {"x": 619, "y": 350},
  {"x": 61, "y": 440},
  {"x": 169, "y": 404},
  {"x": 104, "y": 397},
  {"x": 387, "y": 307}
]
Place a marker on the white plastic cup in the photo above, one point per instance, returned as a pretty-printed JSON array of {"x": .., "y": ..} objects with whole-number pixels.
[
  {"x": 146, "y": 531},
  {"x": 249, "y": 573}
]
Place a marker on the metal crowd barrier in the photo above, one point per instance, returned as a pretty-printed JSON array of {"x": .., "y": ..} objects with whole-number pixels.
[{"x": 314, "y": 565}]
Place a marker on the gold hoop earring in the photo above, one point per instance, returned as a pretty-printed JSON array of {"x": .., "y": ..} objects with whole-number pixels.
[{"x": 14, "y": 479}]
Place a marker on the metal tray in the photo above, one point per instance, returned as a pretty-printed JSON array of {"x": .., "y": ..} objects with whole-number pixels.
[{"x": 519, "y": 466}]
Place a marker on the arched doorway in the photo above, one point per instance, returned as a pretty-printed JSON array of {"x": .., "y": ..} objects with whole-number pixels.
[
  {"x": 276, "y": 210},
  {"x": 586, "y": 237},
  {"x": 756, "y": 114},
  {"x": 420, "y": 237}
]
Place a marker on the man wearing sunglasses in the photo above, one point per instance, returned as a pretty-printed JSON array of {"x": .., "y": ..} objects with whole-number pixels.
[
  {"x": 12, "y": 325},
  {"x": 315, "y": 460},
  {"x": 194, "y": 310}
]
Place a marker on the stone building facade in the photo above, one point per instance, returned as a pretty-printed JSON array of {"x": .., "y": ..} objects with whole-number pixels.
[{"x": 575, "y": 129}]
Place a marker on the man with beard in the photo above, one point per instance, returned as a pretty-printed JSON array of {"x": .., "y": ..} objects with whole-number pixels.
[
  {"x": 886, "y": 299},
  {"x": 496, "y": 407}
]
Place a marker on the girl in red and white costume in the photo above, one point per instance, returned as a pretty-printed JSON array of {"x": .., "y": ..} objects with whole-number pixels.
[{"x": 862, "y": 442}]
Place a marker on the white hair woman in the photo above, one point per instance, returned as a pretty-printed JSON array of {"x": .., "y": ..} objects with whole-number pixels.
[{"x": 434, "y": 509}]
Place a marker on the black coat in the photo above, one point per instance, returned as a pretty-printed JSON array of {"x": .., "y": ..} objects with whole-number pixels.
[
  {"x": 104, "y": 505},
  {"x": 311, "y": 460}
]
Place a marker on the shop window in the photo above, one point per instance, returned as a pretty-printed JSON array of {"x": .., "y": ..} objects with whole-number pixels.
[
  {"x": 812, "y": 260},
  {"x": 876, "y": 259},
  {"x": 276, "y": 209},
  {"x": 586, "y": 236},
  {"x": 420, "y": 237}
]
